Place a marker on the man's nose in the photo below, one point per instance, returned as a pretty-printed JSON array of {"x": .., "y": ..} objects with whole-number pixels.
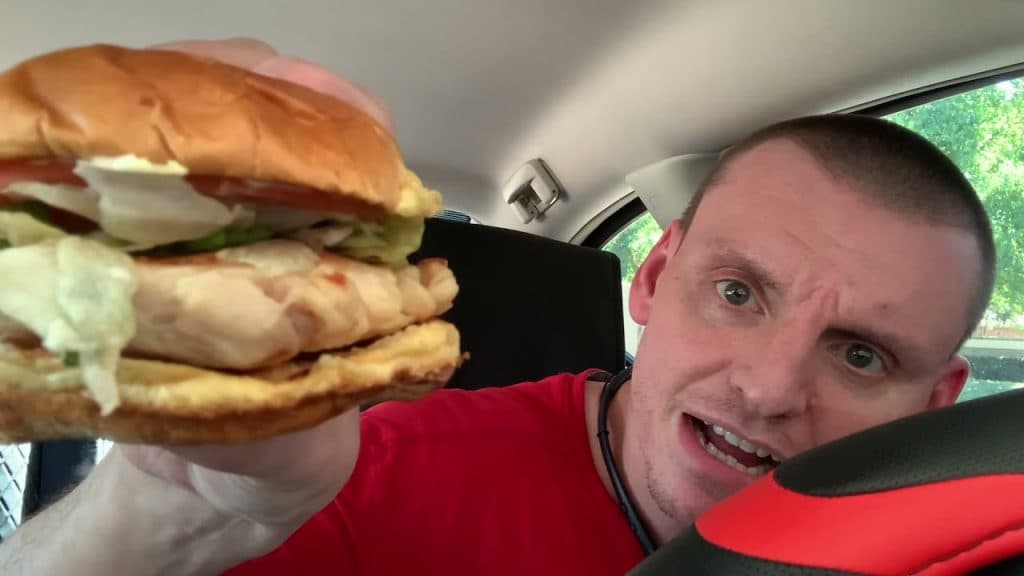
[{"x": 774, "y": 373}]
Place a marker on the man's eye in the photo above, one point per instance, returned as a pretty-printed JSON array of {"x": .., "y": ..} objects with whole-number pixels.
[
  {"x": 864, "y": 359},
  {"x": 735, "y": 293}
]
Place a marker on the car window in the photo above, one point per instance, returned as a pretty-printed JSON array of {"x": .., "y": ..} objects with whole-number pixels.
[
  {"x": 982, "y": 130},
  {"x": 631, "y": 245}
]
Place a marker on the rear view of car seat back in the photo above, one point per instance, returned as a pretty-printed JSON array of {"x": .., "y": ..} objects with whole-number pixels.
[{"x": 528, "y": 306}]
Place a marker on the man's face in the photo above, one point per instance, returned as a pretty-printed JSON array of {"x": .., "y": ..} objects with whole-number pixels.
[{"x": 789, "y": 314}]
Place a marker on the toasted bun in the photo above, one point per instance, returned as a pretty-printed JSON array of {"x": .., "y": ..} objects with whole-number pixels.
[
  {"x": 213, "y": 118},
  {"x": 177, "y": 404}
]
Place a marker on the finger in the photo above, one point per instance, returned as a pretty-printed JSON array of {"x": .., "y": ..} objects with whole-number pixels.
[
  {"x": 262, "y": 58},
  {"x": 242, "y": 52},
  {"x": 308, "y": 74}
]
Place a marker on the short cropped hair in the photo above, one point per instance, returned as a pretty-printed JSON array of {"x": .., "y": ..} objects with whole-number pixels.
[{"x": 892, "y": 167}]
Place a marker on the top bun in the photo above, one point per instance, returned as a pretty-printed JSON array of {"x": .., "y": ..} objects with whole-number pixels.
[{"x": 211, "y": 117}]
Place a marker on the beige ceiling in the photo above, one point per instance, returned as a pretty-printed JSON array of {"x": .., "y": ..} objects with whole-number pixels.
[{"x": 598, "y": 88}]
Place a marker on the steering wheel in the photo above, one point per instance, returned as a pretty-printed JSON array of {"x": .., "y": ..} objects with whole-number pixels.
[{"x": 935, "y": 494}]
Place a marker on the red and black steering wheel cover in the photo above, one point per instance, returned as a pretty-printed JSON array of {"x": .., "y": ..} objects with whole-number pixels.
[{"x": 936, "y": 494}]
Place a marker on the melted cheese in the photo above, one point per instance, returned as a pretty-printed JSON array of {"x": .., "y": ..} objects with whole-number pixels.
[
  {"x": 415, "y": 199},
  {"x": 133, "y": 163}
]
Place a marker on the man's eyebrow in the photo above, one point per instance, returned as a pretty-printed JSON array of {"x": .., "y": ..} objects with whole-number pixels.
[
  {"x": 735, "y": 258},
  {"x": 903, "y": 349}
]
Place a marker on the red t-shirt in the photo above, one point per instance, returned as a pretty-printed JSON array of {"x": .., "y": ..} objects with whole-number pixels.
[{"x": 494, "y": 481}]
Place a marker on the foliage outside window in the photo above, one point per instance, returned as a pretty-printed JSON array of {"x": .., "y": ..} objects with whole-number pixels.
[
  {"x": 983, "y": 132},
  {"x": 633, "y": 243}
]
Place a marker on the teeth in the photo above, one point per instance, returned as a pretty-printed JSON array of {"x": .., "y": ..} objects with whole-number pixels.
[
  {"x": 742, "y": 444},
  {"x": 732, "y": 439},
  {"x": 730, "y": 460}
]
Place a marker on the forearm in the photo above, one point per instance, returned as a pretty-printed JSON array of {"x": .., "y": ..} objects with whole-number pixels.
[{"x": 123, "y": 521}]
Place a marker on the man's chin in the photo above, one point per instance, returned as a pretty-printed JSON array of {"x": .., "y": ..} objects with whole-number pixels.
[
  {"x": 684, "y": 489},
  {"x": 681, "y": 502}
]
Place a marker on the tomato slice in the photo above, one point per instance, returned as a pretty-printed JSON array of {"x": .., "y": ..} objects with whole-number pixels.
[
  {"x": 69, "y": 221},
  {"x": 238, "y": 191},
  {"x": 45, "y": 171},
  {"x": 228, "y": 189}
]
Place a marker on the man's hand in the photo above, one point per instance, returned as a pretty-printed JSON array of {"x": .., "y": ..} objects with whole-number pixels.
[
  {"x": 277, "y": 483},
  {"x": 261, "y": 58},
  {"x": 199, "y": 509},
  {"x": 282, "y": 481}
]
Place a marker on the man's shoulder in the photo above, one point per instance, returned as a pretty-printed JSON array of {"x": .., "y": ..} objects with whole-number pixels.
[{"x": 522, "y": 407}]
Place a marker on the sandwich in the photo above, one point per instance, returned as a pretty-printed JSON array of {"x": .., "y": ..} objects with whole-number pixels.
[{"x": 191, "y": 252}]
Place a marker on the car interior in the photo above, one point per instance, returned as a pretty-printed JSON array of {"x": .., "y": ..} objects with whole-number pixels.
[{"x": 565, "y": 136}]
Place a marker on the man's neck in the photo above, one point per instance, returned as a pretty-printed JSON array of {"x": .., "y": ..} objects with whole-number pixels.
[
  {"x": 592, "y": 404},
  {"x": 617, "y": 411}
]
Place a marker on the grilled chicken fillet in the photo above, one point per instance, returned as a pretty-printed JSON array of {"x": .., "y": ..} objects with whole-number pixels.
[
  {"x": 242, "y": 317},
  {"x": 219, "y": 312}
]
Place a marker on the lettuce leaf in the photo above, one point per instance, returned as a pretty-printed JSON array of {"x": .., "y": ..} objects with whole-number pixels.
[
  {"x": 143, "y": 209},
  {"x": 180, "y": 222},
  {"x": 21, "y": 228},
  {"x": 388, "y": 242},
  {"x": 77, "y": 296},
  {"x": 219, "y": 240}
]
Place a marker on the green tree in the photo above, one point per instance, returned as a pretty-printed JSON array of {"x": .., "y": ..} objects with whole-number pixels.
[
  {"x": 983, "y": 132},
  {"x": 633, "y": 243}
]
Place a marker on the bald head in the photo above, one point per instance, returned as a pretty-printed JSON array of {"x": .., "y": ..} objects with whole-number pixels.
[{"x": 892, "y": 168}]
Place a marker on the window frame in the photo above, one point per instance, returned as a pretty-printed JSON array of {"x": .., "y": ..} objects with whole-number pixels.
[
  {"x": 615, "y": 223},
  {"x": 901, "y": 102}
]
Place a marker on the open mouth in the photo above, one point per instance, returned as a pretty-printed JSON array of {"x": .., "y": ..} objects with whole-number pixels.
[{"x": 733, "y": 450}]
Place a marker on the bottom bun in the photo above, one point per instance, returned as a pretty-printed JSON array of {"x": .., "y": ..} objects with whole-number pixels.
[{"x": 165, "y": 403}]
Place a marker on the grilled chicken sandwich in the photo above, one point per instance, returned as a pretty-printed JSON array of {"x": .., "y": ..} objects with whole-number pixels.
[{"x": 190, "y": 252}]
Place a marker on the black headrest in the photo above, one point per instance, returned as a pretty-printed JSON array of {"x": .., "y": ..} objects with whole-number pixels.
[
  {"x": 938, "y": 493},
  {"x": 528, "y": 307}
]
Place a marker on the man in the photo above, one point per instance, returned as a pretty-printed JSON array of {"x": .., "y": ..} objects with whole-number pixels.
[{"x": 821, "y": 284}]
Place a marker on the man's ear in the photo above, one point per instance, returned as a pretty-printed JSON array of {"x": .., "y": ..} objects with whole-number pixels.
[
  {"x": 645, "y": 282},
  {"x": 951, "y": 384}
]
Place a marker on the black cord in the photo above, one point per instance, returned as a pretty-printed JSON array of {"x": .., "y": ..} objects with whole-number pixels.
[{"x": 607, "y": 393}]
